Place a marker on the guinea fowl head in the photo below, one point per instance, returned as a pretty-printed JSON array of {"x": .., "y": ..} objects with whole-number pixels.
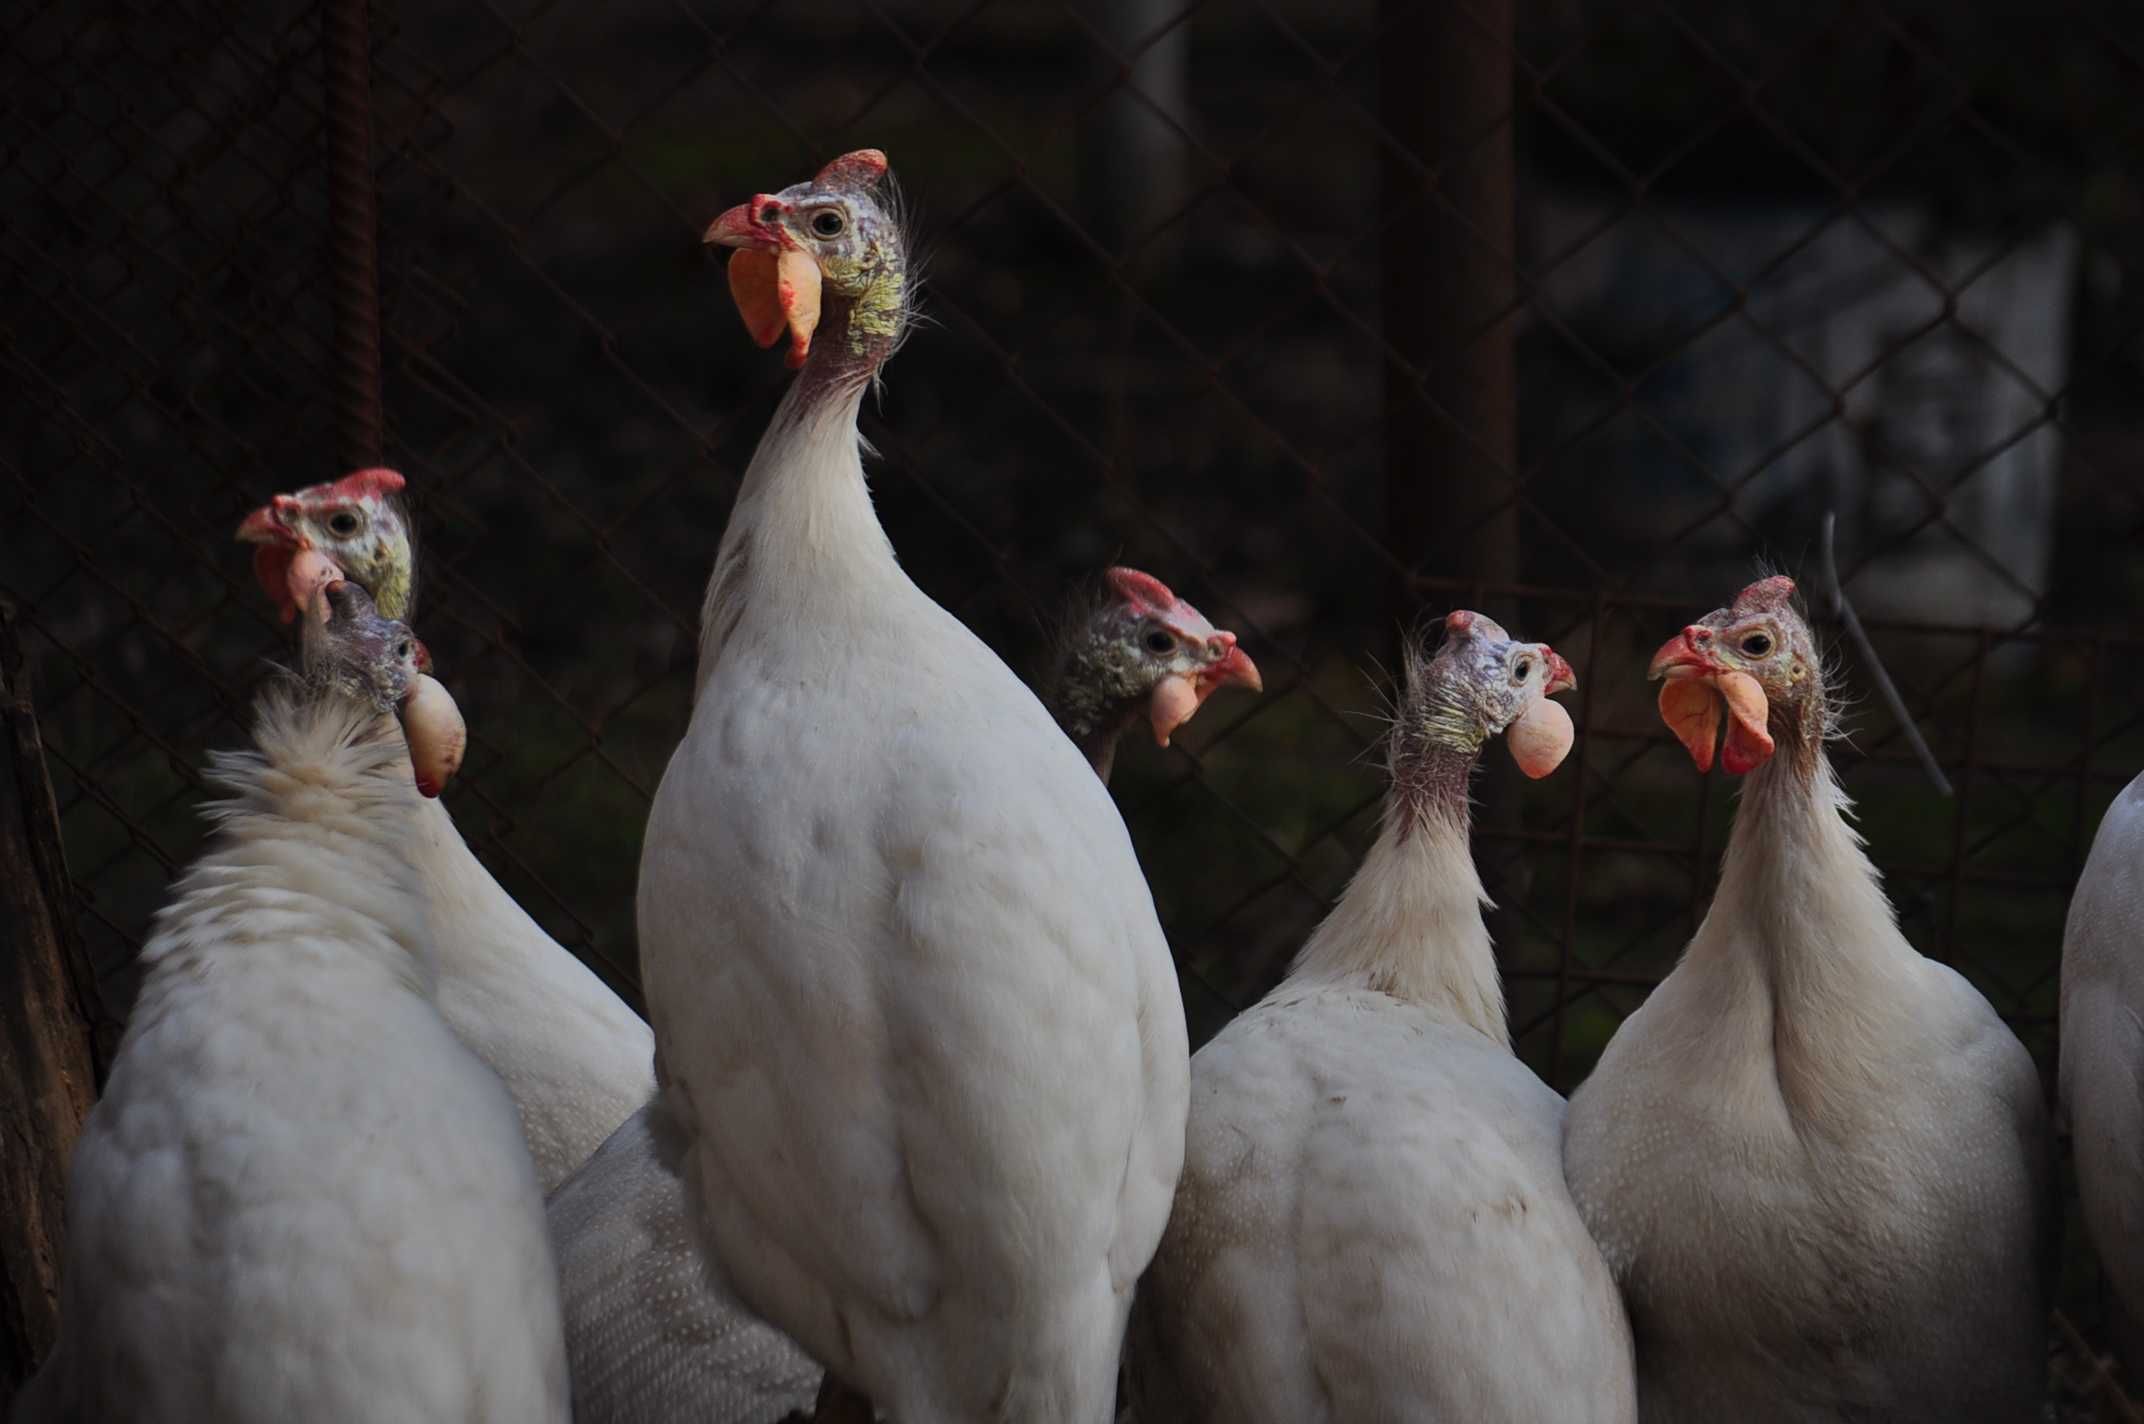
[
  {"x": 357, "y": 523},
  {"x": 1480, "y": 683},
  {"x": 1138, "y": 648},
  {"x": 350, "y": 646},
  {"x": 827, "y": 252},
  {"x": 1755, "y": 660}
]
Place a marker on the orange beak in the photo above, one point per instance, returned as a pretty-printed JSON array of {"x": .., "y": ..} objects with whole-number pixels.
[
  {"x": 1234, "y": 670},
  {"x": 740, "y": 227},
  {"x": 1560, "y": 676},
  {"x": 1687, "y": 654}
]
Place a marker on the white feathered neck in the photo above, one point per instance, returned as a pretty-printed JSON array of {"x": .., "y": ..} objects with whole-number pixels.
[
  {"x": 1796, "y": 882},
  {"x": 1801, "y": 952},
  {"x": 803, "y": 520},
  {"x": 314, "y": 831},
  {"x": 1409, "y": 924}
]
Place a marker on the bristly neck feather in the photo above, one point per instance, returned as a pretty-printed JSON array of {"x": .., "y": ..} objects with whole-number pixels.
[
  {"x": 313, "y": 839},
  {"x": 803, "y": 528},
  {"x": 1409, "y": 924}
]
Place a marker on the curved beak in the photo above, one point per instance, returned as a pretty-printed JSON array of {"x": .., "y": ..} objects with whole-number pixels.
[
  {"x": 1234, "y": 670},
  {"x": 1687, "y": 654},
  {"x": 1560, "y": 676},
  {"x": 267, "y": 524},
  {"x": 740, "y": 227}
]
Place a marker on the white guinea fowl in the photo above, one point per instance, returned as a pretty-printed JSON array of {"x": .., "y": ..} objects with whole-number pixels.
[
  {"x": 1372, "y": 1221},
  {"x": 2102, "y": 1074},
  {"x": 915, "y": 1015},
  {"x": 653, "y": 1330},
  {"x": 575, "y": 1057},
  {"x": 300, "y": 1198},
  {"x": 1817, "y": 1161}
]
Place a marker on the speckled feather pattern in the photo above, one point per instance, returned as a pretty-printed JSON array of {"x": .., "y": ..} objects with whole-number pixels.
[
  {"x": 300, "y": 1197},
  {"x": 653, "y": 1331},
  {"x": 1818, "y": 1162},
  {"x": 2103, "y": 1048}
]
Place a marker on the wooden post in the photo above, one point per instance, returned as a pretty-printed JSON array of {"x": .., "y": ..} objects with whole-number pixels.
[
  {"x": 353, "y": 233},
  {"x": 49, "y": 1058},
  {"x": 1449, "y": 274},
  {"x": 1449, "y": 257}
]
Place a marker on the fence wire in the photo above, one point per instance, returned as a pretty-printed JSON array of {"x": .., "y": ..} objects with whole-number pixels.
[{"x": 1330, "y": 314}]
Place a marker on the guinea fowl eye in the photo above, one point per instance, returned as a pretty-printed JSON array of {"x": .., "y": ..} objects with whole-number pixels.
[
  {"x": 1757, "y": 645},
  {"x": 402, "y": 648},
  {"x": 827, "y": 223},
  {"x": 342, "y": 523},
  {"x": 1159, "y": 642},
  {"x": 1523, "y": 671}
]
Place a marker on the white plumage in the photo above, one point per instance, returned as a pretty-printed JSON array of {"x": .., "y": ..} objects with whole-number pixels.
[
  {"x": 915, "y": 1014},
  {"x": 576, "y": 1059},
  {"x": 1372, "y": 1221},
  {"x": 2103, "y": 1051},
  {"x": 300, "y": 1197},
  {"x": 653, "y": 1329},
  {"x": 1817, "y": 1161}
]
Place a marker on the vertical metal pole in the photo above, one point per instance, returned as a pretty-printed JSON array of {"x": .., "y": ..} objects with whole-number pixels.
[{"x": 353, "y": 227}]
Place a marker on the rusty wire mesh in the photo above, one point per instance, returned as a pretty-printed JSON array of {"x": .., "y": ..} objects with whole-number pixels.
[{"x": 1329, "y": 314}]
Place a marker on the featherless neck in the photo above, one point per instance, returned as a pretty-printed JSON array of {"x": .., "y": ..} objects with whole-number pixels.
[
  {"x": 1409, "y": 923},
  {"x": 1094, "y": 721},
  {"x": 854, "y": 337},
  {"x": 1435, "y": 745}
]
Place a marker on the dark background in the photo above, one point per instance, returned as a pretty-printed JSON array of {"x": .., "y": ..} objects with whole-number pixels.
[{"x": 1332, "y": 315}]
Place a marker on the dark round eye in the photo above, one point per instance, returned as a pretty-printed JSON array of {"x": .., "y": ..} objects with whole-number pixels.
[
  {"x": 1757, "y": 644},
  {"x": 1523, "y": 671},
  {"x": 342, "y": 523},
  {"x": 402, "y": 648},
  {"x": 828, "y": 223},
  {"x": 1159, "y": 641}
]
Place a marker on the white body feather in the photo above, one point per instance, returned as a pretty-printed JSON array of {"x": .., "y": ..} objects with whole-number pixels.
[
  {"x": 2103, "y": 1049},
  {"x": 300, "y": 1197},
  {"x": 917, "y": 1018},
  {"x": 1818, "y": 1162},
  {"x": 576, "y": 1059},
  {"x": 1372, "y": 1222}
]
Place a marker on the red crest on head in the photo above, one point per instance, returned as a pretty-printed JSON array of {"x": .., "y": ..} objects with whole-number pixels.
[
  {"x": 1765, "y": 595},
  {"x": 853, "y": 170},
  {"x": 1459, "y": 622},
  {"x": 1142, "y": 591},
  {"x": 362, "y": 484}
]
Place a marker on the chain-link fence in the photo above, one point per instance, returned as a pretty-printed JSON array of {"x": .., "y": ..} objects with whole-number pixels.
[{"x": 1329, "y": 314}]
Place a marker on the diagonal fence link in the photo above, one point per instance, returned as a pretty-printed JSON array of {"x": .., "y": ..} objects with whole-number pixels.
[{"x": 1763, "y": 264}]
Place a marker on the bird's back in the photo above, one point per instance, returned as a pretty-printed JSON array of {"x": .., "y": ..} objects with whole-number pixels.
[
  {"x": 925, "y": 965},
  {"x": 300, "y": 1197},
  {"x": 2102, "y": 1073},
  {"x": 1372, "y": 1224}
]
